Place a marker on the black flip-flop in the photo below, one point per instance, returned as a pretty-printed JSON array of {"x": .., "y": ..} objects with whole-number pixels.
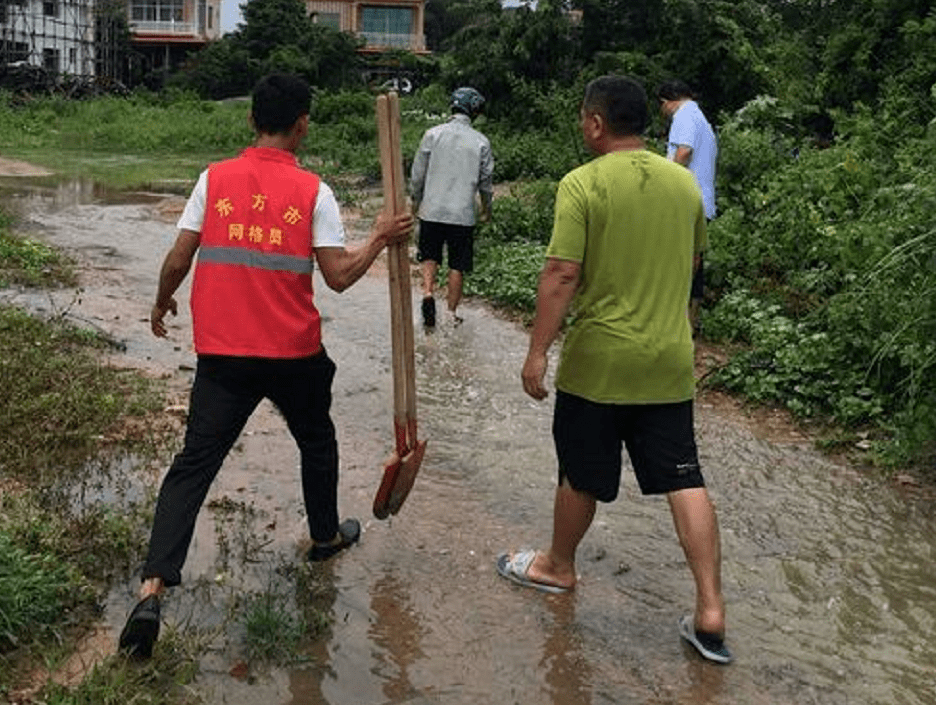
[
  {"x": 348, "y": 532},
  {"x": 709, "y": 646},
  {"x": 142, "y": 629}
]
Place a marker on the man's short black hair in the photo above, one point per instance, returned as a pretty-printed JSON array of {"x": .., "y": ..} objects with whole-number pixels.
[
  {"x": 674, "y": 90},
  {"x": 278, "y": 100},
  {"x": 621, "y": 101}
]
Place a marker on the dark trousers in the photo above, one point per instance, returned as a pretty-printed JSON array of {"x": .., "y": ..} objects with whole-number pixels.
[{"x": 224, "y": 395}]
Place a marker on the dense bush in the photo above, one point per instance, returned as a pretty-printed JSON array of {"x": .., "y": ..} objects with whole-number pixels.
[{"x": 827, "y": 261}]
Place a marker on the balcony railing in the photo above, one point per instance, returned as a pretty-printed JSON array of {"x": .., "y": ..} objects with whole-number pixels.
[
  {"x": 385, "y": 40},
  {"x": 170, "y": 27}
]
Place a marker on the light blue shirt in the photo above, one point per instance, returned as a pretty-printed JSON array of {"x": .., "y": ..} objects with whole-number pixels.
[
  {"x": 452, "y": 164},
  {"x": 689, "y": 128}
]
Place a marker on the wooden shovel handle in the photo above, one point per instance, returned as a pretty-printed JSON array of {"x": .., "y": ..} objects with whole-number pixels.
[{"x": 388, "y": 128}]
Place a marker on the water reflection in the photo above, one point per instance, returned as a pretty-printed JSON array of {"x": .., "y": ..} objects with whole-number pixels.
[
  {"x": 568, "y": 675},
  {"x": 397, "y": 631},
  {"x": 54, "y": 193}
]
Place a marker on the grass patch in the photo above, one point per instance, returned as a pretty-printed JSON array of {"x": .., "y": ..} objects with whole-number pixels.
[
  {"x": 116, "y": 681},
  {"x": 60, "y": 402},
  {"x": 35, "y": 589},
  {"x": 64, "y": 419},
  {"x": 27, "y": 262}
]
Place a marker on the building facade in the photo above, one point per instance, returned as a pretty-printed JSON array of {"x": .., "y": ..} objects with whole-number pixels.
[
  {"x": 382, "y": 24},
  {"x": 57, "y": 35},
  {"x": 163, "y": 32}
]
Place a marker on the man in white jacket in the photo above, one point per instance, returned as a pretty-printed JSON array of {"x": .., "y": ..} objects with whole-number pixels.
[{"x": 452, "y": 164}]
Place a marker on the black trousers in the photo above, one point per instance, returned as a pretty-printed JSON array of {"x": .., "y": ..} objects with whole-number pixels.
[{"x": 224, "y": 395}]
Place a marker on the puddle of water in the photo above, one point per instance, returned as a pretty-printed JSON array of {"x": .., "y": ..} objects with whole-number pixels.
[{"x": 829, "y": 576}]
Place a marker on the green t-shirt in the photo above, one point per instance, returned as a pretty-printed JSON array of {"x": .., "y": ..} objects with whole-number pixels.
[{"x": 634, "y": 221}]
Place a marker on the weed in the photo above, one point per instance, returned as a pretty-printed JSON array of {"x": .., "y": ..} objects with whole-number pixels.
[
  {"x": 28, "y": 262},
  {"x": 273, "y": 629}
]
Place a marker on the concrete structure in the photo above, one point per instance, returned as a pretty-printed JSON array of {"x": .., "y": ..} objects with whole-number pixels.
[
  {"x": 164, "y": 31},
  {"x": 57, "y": 35}
]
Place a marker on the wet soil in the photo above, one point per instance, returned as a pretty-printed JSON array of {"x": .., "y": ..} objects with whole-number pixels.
[{"x": 829, "y": 572}]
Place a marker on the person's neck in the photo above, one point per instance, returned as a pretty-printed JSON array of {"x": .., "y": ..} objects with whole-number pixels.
[
  {"x": 623, "y": 144},
  {"x": 284, "y": 142}
]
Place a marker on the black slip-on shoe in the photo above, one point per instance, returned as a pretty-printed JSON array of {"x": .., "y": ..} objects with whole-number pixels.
[
  {"x": 142, "y": 629},
  {"x": 349, "y": 531},
  {"x": 428, "y": 312}
]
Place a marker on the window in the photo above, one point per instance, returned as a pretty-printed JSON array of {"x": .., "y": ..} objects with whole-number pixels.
[
  {"x": 50, "y": 60},
  {"x": 50, "y": 8},
  {"x": 386, "y": 20},
  {"x": 157, "y": 10},
  {"x": 327, "y": 19}
]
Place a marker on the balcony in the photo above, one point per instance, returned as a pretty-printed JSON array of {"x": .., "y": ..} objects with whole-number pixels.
[
  {"x": 163, "y": 28},
  {"x": 385, "y": 40}
]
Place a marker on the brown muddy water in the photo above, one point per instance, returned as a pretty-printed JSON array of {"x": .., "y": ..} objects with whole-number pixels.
[{"x": 829, "y": 573}]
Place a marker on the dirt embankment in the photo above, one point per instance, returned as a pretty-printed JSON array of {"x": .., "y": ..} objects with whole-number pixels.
[{"x": 12, "y": 167}]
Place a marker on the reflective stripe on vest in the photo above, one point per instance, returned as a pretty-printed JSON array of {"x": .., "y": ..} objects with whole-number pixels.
[{"x": 258, "y": 260}]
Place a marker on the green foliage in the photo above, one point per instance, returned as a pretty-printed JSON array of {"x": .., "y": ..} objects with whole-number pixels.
[
  {"x": 273, "y": 628},
  {"x": 34, "y": 591},
  {"x": 826, "y": 261},
  {"x": 276, "y": 36},
  {"x": 507, "y": 273},
  {"x": 25, "y": 261},
  {"x": 143, "y": 123},
  {"x": 117, "y": 681},
  {"x": 58, "y": 399},
  {"x": 522, "y": 213},
  {"x": 511, "y": 246}
]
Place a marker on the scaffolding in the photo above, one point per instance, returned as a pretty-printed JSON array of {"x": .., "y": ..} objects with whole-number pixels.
[{"x": 73, "y": 38}]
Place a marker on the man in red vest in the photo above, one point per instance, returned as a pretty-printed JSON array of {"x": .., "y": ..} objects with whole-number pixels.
[{"x": 257, "y": 223}]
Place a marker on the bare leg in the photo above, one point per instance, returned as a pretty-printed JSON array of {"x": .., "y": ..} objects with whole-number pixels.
[
  {"x": 429, "y": 271},
  {"x": 454, "y": 290},
  {"x": 151, "y": 586},
  {"x": 573, "y": 512},
  {"x": 697, "y": 529}
]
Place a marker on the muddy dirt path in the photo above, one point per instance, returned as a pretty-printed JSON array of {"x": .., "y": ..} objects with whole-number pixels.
[{"x": 829, "y": 574}]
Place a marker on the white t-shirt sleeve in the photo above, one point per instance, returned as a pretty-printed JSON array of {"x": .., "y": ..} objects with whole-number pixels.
[
  {"x": 193, "y": 215},
  {"x": 327, "y": 228}
]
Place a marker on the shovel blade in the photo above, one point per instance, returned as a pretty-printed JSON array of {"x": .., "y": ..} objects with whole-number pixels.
[
  {"x": 406, "y": 476},
  {"x": 391, "y": 474}
]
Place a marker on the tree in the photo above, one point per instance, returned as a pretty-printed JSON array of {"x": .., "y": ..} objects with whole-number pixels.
[{"x": 276, "y": 35}]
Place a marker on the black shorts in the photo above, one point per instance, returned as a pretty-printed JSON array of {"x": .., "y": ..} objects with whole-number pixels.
[
  {"x": 659, "y": 438},
  {"x": 459, "y": 239}
]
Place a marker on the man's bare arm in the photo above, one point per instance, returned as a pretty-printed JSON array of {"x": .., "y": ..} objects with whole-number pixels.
[
  {"x": 683, "y": 155},
  {"x": 174, "y": 269},
  {"x": 558, "y": 283},
  {"x": 341, "y": 267}
]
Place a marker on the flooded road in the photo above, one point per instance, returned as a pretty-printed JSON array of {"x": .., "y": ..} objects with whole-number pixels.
[{"x": 829, "y": 574}]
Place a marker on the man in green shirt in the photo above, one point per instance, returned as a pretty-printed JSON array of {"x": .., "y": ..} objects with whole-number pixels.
[{"x": 628, "y": 228}]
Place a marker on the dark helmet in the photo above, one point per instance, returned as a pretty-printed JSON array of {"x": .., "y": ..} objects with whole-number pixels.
[{"x": 467, "y": 100}]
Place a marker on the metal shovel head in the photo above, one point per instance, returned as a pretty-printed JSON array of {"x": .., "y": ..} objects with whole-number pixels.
[
  {"x": 390, "y": 474},
  {"x": 409, "y": 467}
]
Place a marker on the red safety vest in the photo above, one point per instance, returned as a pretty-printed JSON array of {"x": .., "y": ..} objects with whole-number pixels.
[{"x": 252, "y": 287}]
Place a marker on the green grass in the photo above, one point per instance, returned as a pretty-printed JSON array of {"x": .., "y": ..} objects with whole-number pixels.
[
  {"x": 63, "y": 416},
  {"x": 27, "y": 262},
  {"x": 59, "y": 399},
  {"x": 159, "y": 681},
  {"x": 35, "y": 589}
]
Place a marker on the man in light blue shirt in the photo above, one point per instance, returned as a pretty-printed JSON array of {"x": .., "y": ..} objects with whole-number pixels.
[
  {"x": 452, "y": 164},
  {"x": 691, "y": 142}
]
